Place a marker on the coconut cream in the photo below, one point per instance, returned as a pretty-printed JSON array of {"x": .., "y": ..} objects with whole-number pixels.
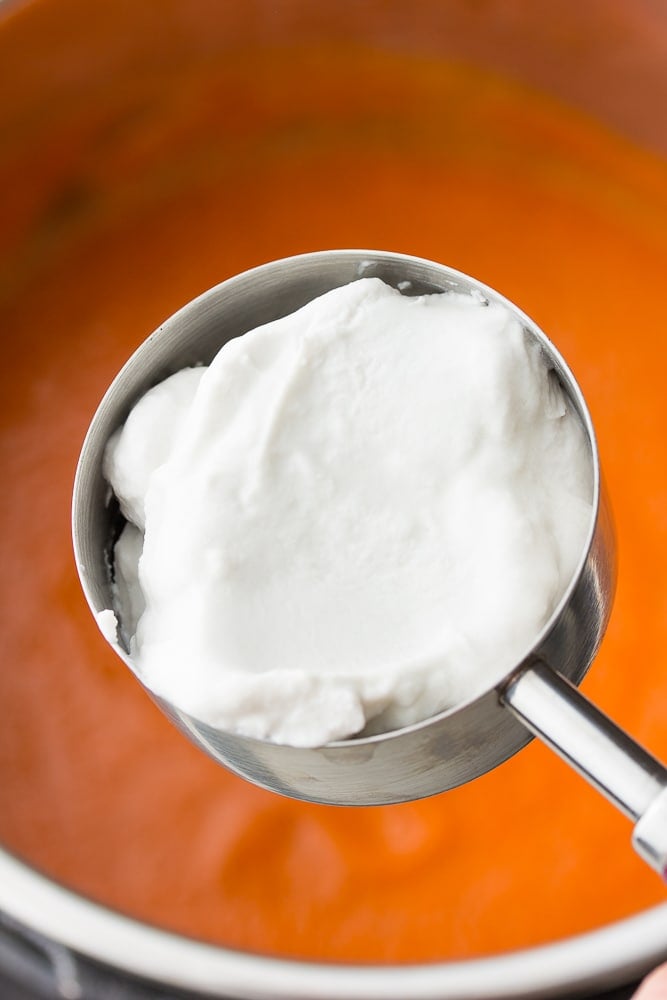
[{"x": 354, "y": 517}]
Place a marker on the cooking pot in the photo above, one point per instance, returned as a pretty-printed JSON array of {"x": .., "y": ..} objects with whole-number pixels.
[{"x": 77, "y": 80}]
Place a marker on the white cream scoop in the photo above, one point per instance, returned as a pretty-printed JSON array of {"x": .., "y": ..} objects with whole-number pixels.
[{"x": 355, "y": 517}]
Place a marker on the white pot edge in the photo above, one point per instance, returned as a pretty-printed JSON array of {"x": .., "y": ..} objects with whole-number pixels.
[{"x": 611, "y": 956}]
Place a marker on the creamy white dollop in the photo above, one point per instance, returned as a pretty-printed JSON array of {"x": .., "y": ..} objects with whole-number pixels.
[{"x": 355, "y": 517}]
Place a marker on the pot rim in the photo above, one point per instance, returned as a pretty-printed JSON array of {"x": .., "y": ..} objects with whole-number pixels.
[{"x": 609, "y": 956}]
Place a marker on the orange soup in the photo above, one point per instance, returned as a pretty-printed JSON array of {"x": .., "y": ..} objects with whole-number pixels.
[{"x": 130, "y": 200}]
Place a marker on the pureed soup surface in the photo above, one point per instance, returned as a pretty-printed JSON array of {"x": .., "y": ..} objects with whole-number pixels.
[{"x": 129, "y": 216}]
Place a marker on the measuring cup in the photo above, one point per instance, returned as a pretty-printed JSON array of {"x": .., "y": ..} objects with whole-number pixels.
[{"x": 538, "y": 696}]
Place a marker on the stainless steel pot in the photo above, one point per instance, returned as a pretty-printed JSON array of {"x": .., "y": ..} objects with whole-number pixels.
[
  {"x": 578, "y": 966},
  {"x": 607, "y": 58}
]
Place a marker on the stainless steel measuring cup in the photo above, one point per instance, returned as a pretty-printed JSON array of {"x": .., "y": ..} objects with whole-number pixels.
[{"x": 539, "y": 696}]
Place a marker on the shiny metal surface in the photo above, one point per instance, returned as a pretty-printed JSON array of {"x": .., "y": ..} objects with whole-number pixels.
[
  {"x": 649, "y": 837},
  {"x": 420, "y": 760},
  {"x": 455, "y": 746},
  {"x": 618, "y": 767},
  {"x": 630, "y": 777}
]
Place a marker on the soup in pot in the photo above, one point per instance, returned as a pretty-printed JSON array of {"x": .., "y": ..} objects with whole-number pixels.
[{"x": 175, "y": 166}]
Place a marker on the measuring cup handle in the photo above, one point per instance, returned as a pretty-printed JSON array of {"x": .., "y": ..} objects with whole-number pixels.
[{"x": 630, "y": 777}]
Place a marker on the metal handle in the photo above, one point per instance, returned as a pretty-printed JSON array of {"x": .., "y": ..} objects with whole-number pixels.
[{"x": 627, "y": 774}]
